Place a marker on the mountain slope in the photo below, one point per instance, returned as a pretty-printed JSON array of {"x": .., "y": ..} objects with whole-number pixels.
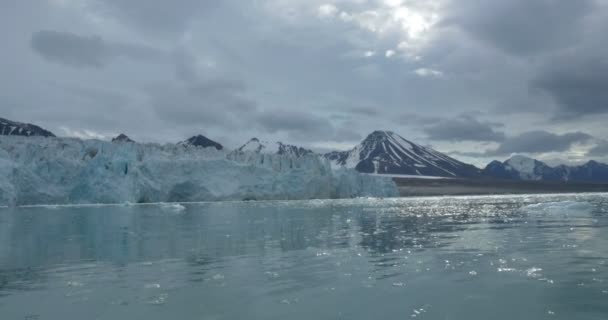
[
  {"x": 528, "y": 169},
  {"x": 202, "y": 141},
  {"x": 591, "y": 171},
  {"x": 257, "y": 146},
  {"x": 122, "y": 138},
  {"x": 385, "y": 152},
  {"x": 12, "y": 128}
]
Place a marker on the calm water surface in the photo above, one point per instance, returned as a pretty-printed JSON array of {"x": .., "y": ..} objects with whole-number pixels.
[{"x": 505, "y": 257}]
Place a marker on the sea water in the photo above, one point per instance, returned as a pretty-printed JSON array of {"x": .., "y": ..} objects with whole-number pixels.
[{"x": 499, "y": 257}]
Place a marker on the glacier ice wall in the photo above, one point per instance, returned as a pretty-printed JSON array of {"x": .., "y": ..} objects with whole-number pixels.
[{"x": 71, "y": 171}]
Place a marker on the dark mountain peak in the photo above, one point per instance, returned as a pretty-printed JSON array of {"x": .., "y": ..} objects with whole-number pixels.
[
  {"x": 122, "y": 138},
  {"x": 202, "y": 141},
  {"x": 13, "y": 128},
  {"x": 593, "y": 163},
  {"x": 379, "y": 135},
  {"x": 385, "y": 152},
  {"x": 494, "y": 163}
]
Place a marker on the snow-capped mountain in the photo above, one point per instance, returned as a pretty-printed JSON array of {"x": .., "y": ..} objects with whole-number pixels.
[
  {"x": 385, "y": 152},
  {"x": 255, "y": 145},
  {"x": 522, "y": 168},
  {"x": 12, "y": 128},
  {"x": 528, "y": 169},
  {"x": 202, "y": 141},
  {"x": 122, "y": 138}
]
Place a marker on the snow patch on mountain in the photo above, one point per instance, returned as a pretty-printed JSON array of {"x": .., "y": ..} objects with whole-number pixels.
[{"x": 524, "y": 166}]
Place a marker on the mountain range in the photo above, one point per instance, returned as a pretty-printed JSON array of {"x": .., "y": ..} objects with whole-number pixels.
[
  {"x": 387, "y": 153},
  {"x": 527, "y": 169}
]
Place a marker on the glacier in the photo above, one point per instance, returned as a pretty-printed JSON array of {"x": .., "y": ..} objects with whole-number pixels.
[{"x": 39, "y": 170}]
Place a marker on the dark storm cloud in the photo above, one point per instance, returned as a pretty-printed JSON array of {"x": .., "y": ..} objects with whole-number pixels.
[
  {"x": 85, "y": 51},
  {"x": 522, "y": 26},
  {"x": 464, "y": 128},
  {"x": 70, "y": 49},
  {"x": 578, "y": 84},
  {"x": 539, "y": 142}
]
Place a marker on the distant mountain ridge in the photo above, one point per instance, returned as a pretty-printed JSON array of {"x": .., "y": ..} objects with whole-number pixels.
[
  {"x": 257, "y": 146},
  {"x": 385, "y": 152},
  {"x": 13, "y": 128},
  {"x": 528, "y": 169}
]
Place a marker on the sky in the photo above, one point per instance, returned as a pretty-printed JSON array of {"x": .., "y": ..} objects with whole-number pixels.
[{"x": 476, "y": 79}]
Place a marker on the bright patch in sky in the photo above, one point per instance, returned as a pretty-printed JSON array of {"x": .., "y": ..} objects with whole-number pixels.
[
  {"x": 425, "y": 72},
  {"x": 411, "y": 23},
  {"x": 327, "y": 10}
]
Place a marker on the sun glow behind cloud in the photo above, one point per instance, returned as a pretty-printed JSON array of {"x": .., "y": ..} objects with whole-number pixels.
[{"x": 410, "y": 21}]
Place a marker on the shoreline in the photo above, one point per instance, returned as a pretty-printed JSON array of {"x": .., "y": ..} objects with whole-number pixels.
[{"x": 413, "y": 187}]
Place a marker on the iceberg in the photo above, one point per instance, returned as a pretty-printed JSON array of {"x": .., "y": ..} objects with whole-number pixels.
[{"x": 38, "y": 170}]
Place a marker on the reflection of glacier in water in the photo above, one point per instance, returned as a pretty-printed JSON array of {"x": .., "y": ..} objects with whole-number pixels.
[{"x": 501, "y": 257}]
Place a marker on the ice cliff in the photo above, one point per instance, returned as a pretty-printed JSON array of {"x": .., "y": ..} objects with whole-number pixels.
[{"x": 38, "y": 170}]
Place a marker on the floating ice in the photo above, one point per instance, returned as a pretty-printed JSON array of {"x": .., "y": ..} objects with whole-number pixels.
[
  {"x": 560, "y": 207},
  {"x": 173, "y": 206},
  {"x": 37, "y": 170}
]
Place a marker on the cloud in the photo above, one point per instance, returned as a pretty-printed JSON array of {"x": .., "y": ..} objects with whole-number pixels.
[
  {"x": 156, "y": 15},
  {"x": 578, "y": 85},
  {"x": 521, "y": 27},
  {"x": 70, "y": 49},
  {"x": 216, "y": 103},
  {"x": 425, "y": 72},
  {"x": 345, "y": 134},
  {"x": 539, "y": 142},
  {"x": 327, "y": 10},
  {"x": 599, "y": 150},
  {"x": 172, "y": 68},
  {"x": 85, "y": 51},
  {"x": 464, "y": 128},
  {"x": 299, "y": 125},
  {"x": 82, "y": 133}
]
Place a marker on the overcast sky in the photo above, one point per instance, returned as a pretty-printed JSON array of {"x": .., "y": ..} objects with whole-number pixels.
[{"x": 477, "y": 79}]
